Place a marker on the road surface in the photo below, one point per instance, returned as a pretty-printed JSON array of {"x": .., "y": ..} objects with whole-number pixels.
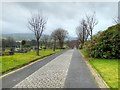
[{"x": 66, "y": 70}]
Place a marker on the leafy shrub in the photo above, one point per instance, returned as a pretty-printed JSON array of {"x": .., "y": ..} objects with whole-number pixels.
[
  {"x": 105, "y": 44},
  {"x": 7, "y": 52}
]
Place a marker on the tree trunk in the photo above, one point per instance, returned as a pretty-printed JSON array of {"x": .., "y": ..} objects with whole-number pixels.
[
  {"x": 45, "y": 46},
  {"x": 91, "y": 35},
  {"x": 38, "y": 47},
  {"x": 61, "y": 44},
  {"x": 83, "y": 35},
  {"x": 81, "y": 46},
  {"x": 54, "y": 46}
]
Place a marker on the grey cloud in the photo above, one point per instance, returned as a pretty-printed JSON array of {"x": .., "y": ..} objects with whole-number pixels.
[{"x": 65, "y": 15}]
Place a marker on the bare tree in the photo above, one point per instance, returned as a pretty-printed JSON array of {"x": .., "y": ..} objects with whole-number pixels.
[
  {"x": 37, "y": 25},
  {"x": 117, "y": 20},
  {"x": 61, "y": 35},
  {"x": 91, "y": 23},
  {"x": 82, "y": 31}
]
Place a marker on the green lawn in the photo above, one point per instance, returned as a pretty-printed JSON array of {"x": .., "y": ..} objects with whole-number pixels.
[
  {"x": 20, "y": 59},
  {"x": 107, "y": 68}
]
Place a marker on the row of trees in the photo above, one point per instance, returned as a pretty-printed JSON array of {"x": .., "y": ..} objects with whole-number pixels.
[
  {"x": 104, "y": 44},
  {"x": 85, "y": 29},
  {"x": 46, "y": 41},
  {"x": 37, "y": 24},
  {"x": 9, "y": 42}
]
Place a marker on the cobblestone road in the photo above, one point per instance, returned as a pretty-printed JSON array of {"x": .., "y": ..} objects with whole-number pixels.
[{"x": 52, "y": 75}]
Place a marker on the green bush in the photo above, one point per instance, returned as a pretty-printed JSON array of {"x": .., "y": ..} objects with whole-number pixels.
[{"x": 105, "y": 44}]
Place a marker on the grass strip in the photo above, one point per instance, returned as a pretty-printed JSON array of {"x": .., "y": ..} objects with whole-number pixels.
[
  {"x": 107, "y": 68},
  {"x": 21, "y": 59}
]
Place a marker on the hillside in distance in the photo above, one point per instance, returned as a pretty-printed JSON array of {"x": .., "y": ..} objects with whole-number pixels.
[
  {"x": 20, "y": 36},
  {"x": 25, "y": 36}
]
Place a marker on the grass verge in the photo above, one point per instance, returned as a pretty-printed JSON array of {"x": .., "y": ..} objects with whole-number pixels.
[
  {"x": 83, "y": 51},
  {"x": 107, "y": 68},
  {"x": 20, "y": 59}
]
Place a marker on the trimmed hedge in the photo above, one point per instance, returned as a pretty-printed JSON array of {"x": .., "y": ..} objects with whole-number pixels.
[{"x": 105, "y": 44}]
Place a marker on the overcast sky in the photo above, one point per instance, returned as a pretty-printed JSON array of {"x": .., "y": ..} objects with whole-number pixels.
[{"x": 65, "y": 15}]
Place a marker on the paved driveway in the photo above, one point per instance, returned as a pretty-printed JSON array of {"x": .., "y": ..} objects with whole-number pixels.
[
  {"x": 67, "y": 70},
  {"x": 79, "y": 75},
  {"x": 14, "y": 78},
  {"x": 52, "y": 75}
]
